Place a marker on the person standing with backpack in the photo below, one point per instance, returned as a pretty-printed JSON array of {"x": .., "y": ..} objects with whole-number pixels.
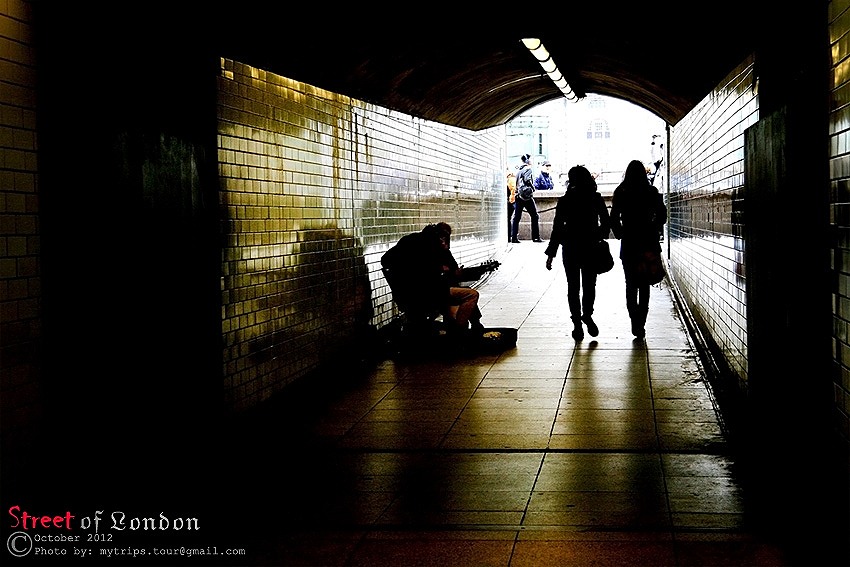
[{"x": 525, "y": 201}]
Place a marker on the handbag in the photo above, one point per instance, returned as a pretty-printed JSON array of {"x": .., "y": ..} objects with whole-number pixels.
[
  {"x": 525, "y": 192},
  {"x": 602, "y": 259},
  {"x": 649, "y": 268}
]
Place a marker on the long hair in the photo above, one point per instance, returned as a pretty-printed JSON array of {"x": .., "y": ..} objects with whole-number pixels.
[
  {"x": 635, "y": 173},
  {"x": 580, "y": 178}
]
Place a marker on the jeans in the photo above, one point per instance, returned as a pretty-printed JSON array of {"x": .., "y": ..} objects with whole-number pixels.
[
  {"x": 531, "y": 207},
  {"x": 581, "y": 286},
  {"x": 637, "y": 295}
]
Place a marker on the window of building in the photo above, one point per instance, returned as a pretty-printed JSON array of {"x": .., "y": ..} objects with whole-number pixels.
[{"x": 598, "y": 129}]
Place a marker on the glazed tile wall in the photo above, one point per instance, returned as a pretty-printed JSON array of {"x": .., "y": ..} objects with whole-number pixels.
[
  {"x": 839, "y": 155},
  {"x": 20, "y": 268},
  {"x": 705, "y": 232},
  {"x": 315, "y": 187}
]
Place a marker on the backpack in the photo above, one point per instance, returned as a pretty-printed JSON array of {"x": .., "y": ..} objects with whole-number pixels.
[{"x": 524, "y": 184}]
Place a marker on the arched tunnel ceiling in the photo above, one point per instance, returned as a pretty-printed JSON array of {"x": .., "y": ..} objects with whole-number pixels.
[
  {"x": 448, "y": 63},
  {"x": 474, "y": 72}
]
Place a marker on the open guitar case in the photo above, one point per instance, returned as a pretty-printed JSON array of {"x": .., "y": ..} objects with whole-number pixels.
[
  {"x": 492, "y": 339},
  {"x": 495, "y": 339},
  {"x": 434, "y": 342}
]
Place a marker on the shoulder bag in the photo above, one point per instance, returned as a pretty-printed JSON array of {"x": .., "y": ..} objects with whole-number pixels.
[
  {"x": 650, "y": 268},
  {"x": 602, "y": 259}
]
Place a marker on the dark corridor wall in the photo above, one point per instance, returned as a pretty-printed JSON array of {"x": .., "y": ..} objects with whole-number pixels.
[{"x": 129, "y": 232}]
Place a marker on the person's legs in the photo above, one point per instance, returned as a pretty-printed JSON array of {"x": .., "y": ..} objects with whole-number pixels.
[
  {"x": 517, "y": 217},
  {"x": 573, "y": 273},
  {"x": 642, "y": 303},
  {"x": 466, "y": 300},
  {"x": 475, "y": 320},
  {"x": 632, "y": 300},
  {"x": 535, "y": 220},
  {"x": 588, "y": 285},
  {"x": 588, "y": 298}
]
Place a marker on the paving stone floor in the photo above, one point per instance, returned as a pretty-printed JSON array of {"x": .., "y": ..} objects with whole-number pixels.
[{"x": 606, "y": 451}]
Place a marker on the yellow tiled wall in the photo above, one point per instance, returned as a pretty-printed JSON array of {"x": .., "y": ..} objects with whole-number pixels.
[
  {"x": 20, "y": 267},
  {"x": 315, "y": 187},
  {"x": 705, "y": 232},
  {"x": 839, "y": 171}
]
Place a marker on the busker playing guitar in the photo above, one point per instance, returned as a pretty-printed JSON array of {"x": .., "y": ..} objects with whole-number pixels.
[
  {"x": 463, "y": 305},
  {"x": 423, "y": 275}
]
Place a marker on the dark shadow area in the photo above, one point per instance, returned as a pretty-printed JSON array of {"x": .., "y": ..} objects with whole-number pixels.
[{"x": 796, "y": 486}]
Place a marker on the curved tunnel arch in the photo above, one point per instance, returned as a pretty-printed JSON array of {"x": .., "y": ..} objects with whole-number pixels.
[{"x": 473, "y": 71}]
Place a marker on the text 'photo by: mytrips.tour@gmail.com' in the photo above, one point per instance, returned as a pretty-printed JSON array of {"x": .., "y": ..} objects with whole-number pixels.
[{"x": 59, "y": 537}]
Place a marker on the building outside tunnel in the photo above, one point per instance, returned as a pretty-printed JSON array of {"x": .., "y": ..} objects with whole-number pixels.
[
  {"x": 602, "y": 133},
  {"x": 238, "y": 218}
]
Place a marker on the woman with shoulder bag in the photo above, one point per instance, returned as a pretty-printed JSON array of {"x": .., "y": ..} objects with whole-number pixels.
[
  {"x": 581, "y": 222},
  {"x": 638, "y": 214}
]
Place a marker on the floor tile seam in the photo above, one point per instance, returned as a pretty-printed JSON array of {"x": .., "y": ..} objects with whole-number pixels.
[
  {"x": 583, "y": 530},
  {"x": 658, "y": 440},
  {"x": 526, "y": 450},
  {"x": 445, "y": 437},
  {"x": 561, "y": 400},
  {"x": 374, "y": 407},
  {"x": 531, "y": 491},
  {"x": 577, "y": 533}
]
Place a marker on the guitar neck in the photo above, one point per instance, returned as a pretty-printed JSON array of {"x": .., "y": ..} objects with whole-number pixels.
[{"x": 475, "y": 272}]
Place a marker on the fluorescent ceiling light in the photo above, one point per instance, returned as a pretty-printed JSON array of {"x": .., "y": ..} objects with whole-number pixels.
[{"x": 545, "y": 59}]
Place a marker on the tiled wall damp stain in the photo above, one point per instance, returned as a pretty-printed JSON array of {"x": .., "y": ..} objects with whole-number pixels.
[{"x": 315, "y": 187}]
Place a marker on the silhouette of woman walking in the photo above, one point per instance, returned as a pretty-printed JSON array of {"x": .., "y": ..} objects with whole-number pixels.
[
  {"x": 638, "y": 214},
  {"x": 581, "y": 221}
]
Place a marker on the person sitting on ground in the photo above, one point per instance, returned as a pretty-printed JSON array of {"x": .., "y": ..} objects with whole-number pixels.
[
  {"x": 425, "y": 280},
  {"x": 463, "y": 303}
]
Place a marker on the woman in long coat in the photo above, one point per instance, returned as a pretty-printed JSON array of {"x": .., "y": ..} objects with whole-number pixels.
[
  {"x": 638, "y": 215},
  {"x": 581, "y": 221}
]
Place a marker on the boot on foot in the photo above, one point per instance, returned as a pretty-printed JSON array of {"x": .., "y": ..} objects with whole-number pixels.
[
  {"x": 638, "y": 330},
  {"x": 592, "y": 329},
  {"x": 578, "y": 331}
]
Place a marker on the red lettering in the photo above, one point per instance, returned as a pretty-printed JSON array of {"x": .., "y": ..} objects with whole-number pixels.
[
  {"x": 27, "y": 521},
  {"x": 66, "y": 519},
  {"x": 26, "y": 517},
  {"x": 12, "y": 511}
]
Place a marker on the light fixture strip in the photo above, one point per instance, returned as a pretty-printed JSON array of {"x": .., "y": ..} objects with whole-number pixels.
[{"x": 545, "y": 59}]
